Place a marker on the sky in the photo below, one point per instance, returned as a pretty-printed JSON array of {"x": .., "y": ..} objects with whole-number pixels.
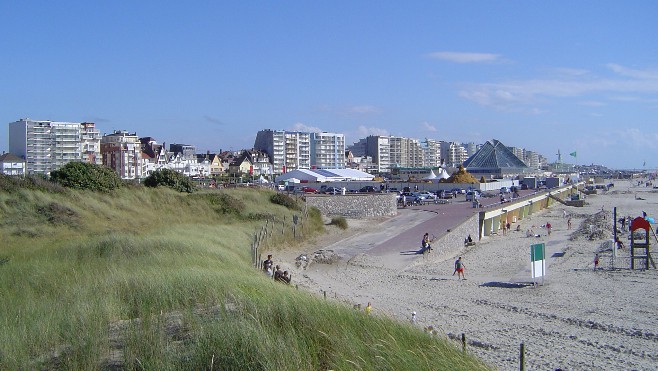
[{"x": 568, "y": 76}]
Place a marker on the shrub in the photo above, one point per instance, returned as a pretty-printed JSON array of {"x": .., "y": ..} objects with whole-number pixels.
[
  {"x": 11, "y": 184},
  {"x": 83, "y": 175},
  {"x": 170, "y": 178},
  {"x": 224, "y": 203},
  {"x": 285, "y": 200},
  {"x": 339, "y": 222}
]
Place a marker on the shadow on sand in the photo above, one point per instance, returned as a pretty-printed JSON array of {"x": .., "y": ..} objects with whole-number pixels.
[{"x": 507, "y": 285}]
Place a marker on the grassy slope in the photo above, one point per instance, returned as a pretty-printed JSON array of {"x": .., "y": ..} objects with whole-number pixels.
[{"x": 154, "y": 279}]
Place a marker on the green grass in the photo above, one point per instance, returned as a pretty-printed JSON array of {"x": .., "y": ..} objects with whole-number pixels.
[{"x": 154, "y": 279}]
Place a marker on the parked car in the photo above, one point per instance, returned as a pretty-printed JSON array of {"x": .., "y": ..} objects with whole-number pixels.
[
  {"x": 368, "y": 189},
  {"x": 444, "y": 195},
  {"x": 428, "y": 195},
  {"x": 280, "y": 187},
  {"x": 309, "y": 190},
  {"x": 504, "y": 190},
  {"x": 332, "y": 191},
  {"x": 524, "y": 186},
  {"x": 488, "y": 194},
  {"x": 472, "y": 195},
  {"x": 410, "y": 197},
  {"x": 457, "y": 191}
]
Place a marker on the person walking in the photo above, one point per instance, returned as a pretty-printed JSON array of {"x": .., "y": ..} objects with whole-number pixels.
[{"x": 459, "y": 268}]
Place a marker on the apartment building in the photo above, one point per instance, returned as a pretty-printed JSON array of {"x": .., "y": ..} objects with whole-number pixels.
[
  {"x": 48, "y": 145},
  {"x": 405, "y": 152},
  {"x": 121, "y": 152},
  {"x": 327, "y": 150},
  {"x": 431, "y": 153},
  {"x": 288, "y": 150}
]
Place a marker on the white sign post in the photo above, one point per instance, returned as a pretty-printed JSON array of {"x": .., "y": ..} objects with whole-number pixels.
[{"x": 538, "y": 262}]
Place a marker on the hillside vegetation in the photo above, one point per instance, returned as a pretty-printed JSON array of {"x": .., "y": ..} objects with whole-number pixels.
[{"x": 141, "y": 278}]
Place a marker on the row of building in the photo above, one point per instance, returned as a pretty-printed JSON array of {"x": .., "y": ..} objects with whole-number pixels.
[{"x": 39, "y": 147}]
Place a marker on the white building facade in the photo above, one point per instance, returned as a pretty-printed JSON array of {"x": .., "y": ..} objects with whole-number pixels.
[
  {"x": 48, "y": 145},
  {"x": 327, "y": 150},
  {"x": 287, "y": 150}
]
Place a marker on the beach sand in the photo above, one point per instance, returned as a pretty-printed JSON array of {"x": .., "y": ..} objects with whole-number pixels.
[{"x": 578, "y": 319}]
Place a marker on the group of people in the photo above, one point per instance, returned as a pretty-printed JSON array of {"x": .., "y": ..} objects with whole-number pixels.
[{"x": 276, "y": 272}]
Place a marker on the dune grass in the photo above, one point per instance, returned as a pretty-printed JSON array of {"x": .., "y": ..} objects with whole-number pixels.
[{"x": 153, "y": 279}]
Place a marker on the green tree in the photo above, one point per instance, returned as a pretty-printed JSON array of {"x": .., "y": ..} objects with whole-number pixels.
[
  {"x": 170, "y": 178},
  {"x": 83, "y": 175}
]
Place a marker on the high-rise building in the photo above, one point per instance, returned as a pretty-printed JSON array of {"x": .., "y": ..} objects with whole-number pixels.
[
  {"x": 121, "y": 152},
  {"x": 288, "y": 150},
  {"x": 379, "y": 148},
  {"x": 431, "y": 153},
  {"x": 327, "y": 150},
  {"x": 48, "y": 145},
  {"x": 405, "y": 152}
]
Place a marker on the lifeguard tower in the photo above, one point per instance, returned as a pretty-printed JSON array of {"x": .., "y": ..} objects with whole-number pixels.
[{"x": 640, "y": 254}]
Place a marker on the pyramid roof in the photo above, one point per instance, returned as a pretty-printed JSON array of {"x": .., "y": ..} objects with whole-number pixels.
[{"x": 494, "y": 155}]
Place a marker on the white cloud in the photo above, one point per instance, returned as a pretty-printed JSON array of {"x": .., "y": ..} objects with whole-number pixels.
[
  {"x": 305, "y": 128},
  {"x": 629, "y": 72},
  {"x": 363, "y": 131},
  {"x": 511, "y": 95},
  {"x": 428, "y": 127},
  {"x": 461, "y": 57}
]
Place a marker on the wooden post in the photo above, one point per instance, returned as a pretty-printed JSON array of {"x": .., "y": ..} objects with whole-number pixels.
[
  {"x": 463, "y": 342},
  {"x": 325, "y": 295},
  {"x": 522, "y": 357}
]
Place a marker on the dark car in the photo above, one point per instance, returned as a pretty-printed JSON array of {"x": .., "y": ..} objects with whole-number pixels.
[
  {"x": 367, "y": 189},
  {"x": 332, "y": 190}
]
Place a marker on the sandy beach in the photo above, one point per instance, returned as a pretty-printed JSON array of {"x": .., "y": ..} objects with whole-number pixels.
[{"x": 579, "y": 319}]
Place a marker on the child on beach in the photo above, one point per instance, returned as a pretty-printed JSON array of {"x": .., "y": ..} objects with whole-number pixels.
[
  {"x": 596, "y": 261},
  {"x": 459, "y": 268}
]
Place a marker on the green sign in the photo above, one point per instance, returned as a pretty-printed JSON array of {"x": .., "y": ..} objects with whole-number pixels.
[{"x": 537, "y": 252}]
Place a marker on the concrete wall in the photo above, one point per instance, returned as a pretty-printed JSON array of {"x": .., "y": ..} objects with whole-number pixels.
[
  {"x": 453, "y": 241},
  {"x": 355, "y": 205}
]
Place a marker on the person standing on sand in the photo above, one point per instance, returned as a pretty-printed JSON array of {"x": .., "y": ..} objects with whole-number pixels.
[
  {"x": 459, "y": 268},
  {"x": 569, "y": 223},
  {"x": 548, "y": 228},
  {"x": 596, "y": 261}
]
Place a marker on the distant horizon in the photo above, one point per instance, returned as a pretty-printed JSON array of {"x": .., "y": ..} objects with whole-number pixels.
[{"x": 530, "y": 75}]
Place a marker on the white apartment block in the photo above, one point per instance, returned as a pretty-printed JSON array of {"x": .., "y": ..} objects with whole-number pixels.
[
  {"x": 431, "y": 153},
  {"x": 405, "y": 152},
  {"x": 48, "y": 145},
  {"x": 453, "y": 154},
  {"x": 288, "y": 150},
  {"x": 121, "y": 152},
  {"x": 379, "y": 148},
  {"x": 327, "y": 150}
]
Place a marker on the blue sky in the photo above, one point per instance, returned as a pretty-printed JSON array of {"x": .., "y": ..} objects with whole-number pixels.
[{"x": 561, "y": 75}]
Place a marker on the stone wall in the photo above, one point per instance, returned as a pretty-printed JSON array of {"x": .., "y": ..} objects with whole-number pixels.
[
  {"x": 453, "y": 241},
  {"x": 355, "y": 205}
]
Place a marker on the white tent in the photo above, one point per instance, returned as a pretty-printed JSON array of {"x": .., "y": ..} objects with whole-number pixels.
[
  {"x": 443, "y": 174},
  {"x": 431, "y": 176}
]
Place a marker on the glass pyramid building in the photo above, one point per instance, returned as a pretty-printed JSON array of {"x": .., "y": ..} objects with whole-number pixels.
[{"x": 495, "y": 158}]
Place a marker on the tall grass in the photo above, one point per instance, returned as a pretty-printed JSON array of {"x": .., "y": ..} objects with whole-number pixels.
[{"x": 153, "y": 279}]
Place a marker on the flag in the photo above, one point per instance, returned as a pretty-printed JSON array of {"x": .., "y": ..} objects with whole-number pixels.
[{"x": 573, "y": 153}]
